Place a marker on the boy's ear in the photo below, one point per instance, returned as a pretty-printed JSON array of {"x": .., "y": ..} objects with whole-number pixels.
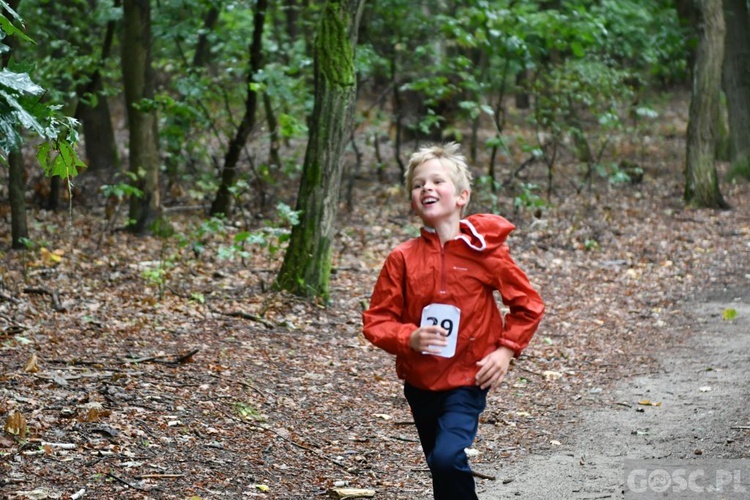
[{"x": 463, "y": 198}]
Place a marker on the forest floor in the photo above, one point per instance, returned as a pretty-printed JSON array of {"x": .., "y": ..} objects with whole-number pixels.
[{"x": 138, "y": 368}]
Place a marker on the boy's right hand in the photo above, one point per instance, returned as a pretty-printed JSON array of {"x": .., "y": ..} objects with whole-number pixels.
[{"x": 428, "y": 339}]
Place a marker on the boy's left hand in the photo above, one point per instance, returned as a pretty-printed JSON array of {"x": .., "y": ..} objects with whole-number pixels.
[{"x": 493, "y": 367}]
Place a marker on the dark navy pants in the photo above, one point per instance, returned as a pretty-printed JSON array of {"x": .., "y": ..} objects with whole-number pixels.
[{"x": 447, "y": 423}]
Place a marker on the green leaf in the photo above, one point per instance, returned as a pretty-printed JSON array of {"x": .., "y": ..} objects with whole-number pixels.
[
  {"x": 577, "y": 49},
  {"x": 729, "y": 314},
  {"x": 43, "y": 154},
  {"x": 21, "y": 114},
  {"x": 19, "y": 82},
  {"x": 9, "y": 28}
]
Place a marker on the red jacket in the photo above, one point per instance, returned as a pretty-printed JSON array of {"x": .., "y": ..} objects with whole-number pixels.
[{"x": 464, "y": 273}]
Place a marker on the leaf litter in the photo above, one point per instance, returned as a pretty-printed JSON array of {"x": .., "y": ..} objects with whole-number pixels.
[{"x": 222, "y": 387}]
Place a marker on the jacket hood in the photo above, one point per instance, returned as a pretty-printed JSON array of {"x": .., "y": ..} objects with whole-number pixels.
[{"x": 483, "y": 232}]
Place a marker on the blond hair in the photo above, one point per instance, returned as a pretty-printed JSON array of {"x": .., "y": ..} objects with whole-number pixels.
[{"x": 450, "y": 158}]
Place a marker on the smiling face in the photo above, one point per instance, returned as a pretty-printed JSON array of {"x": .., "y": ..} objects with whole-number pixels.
[{"x": 434, "y": 196}]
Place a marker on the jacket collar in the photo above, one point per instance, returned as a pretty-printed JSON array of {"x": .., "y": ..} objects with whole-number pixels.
[{"x": 468, "y": 235}]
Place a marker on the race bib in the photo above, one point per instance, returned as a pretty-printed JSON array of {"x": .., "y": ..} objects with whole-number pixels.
[{"x": 447, "y": 317}]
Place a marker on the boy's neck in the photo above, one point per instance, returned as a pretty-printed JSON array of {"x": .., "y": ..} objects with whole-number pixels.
[{"x": 447, "y": 230}]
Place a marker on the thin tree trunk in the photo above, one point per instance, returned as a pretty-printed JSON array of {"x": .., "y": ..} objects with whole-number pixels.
[
  {"x": 98, "y": 133},
  {"x": 223, "y": 202},
  {"x": 274, "y": 158},
  {"x": 17, "y": 195},
  {"x": 16, "y": 171},
  {"x": 702, "y": 185},
  {"x": 202, "y": 48},
  {"x": 307, "y": 264},
  {"x": 736, "y": 80},
  {"x": 138, "y": 79}
]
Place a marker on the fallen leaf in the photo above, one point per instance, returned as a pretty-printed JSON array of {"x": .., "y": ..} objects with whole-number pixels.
[
  {"x": 383, "y": 416},
  {"x": 15, "y": 424},
  {"x": 646, "y": 402},
  {"x": 31, "y": 365},
  {"x": 729, "y": 314}
]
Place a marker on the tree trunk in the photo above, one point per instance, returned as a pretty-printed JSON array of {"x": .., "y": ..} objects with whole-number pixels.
[
  {"x": 16, "y": 171},
  {"x": 688, "y": 13},
  {"x": 736, "y": 79},
  {"x": 17, "y": 195},
  {"x": 138, "y": 79},
  {"x": 223, "y": 202},
  {"x": 99, "y": 136},
  {"x": 307, "y": 264},
  {"x": 203, "y": 48},
  {"x": 702, "y": 185}
]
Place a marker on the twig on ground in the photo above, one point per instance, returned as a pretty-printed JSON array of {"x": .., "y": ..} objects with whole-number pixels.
[
  {"x": 13, "y": 323},
  {"x": 56, "y": 305},
  {"x": 8, "y": 298},
  {"x": 288, "y": 440},
  {"x": 181, "y": 359},
  {"x": 244, "y": 315},
  {"x": 483, "y": 476},
  {"x": 529, "y": 370},
  {"x": 404, "y": 438},
  {"x": 126, "y": 483},
  {"x": 159, "y": 476}
]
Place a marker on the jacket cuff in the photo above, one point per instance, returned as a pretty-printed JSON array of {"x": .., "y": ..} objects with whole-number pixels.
[
  {"x": 516, "y": 348},
  {"x": 405, "y": 336}
]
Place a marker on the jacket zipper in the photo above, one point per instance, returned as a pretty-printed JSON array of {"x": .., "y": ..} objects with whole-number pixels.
[{"x": 442, "y": 269}]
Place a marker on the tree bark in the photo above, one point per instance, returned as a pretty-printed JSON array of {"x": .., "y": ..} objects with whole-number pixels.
[
  {"x": 307, "y": 264},
  {"x": 688, "y": 13},
  {"x": 223, "y": 202},
  {"x": 16, "y": 170},
  {"x": 138, "y": 79},
  {"x": 702, "y": 185},
  {"x": 203, "y": 48},
  {"x": 736, "y": 81},
  {"x": 17, "y": 196},
  {"x": 99, "y": 136}
]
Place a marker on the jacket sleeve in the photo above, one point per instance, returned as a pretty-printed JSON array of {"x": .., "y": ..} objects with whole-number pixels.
[
  {"x": 382, "y": 321},
  {"x": 525, "y": 304}
]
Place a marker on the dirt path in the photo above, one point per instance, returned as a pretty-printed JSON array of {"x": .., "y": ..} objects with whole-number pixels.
[{"x": 702, "y": 389}]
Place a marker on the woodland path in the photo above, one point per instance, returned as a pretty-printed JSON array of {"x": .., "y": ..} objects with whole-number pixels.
[{"x": 702, "y": 386}]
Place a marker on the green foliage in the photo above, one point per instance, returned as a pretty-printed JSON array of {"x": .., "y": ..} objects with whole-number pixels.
[
  {"x": 21, "y": 108},
  {"x": 65, "y": 163},
  {"x": 485, "y": 190},
  {"x": 270, "y": 238},
  {"x": 121, "y": 190},
  {"x": 591, "y": 245},
  {"x": 646, "y": 36},
  {"x": 249, "y": 412},
  {"x": 528, "y": 198},
  {"x": 739, "y": 169}
]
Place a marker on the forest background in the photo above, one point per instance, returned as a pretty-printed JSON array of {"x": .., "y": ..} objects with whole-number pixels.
[{"x": 230, "y": 157}]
